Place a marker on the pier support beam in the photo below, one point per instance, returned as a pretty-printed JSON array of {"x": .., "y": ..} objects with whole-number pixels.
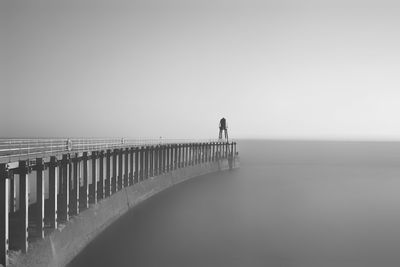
[
  {"x": 64, "y": 196},
  {"x": 120, "y": 168},
  {"x": 93, "y": 186},
  {"x": 155, "y": 170},
  {"x": 146, "y": 163},
  {"x": 51, "y": 208},
  {"x": 107, "y": 189},
  {"x": 4, "y": 210},
  {"x": 141, "y": 171},
  {"x": 74, "y": 190},
  {"x": 179, "y": 156},
  {"x": 190, "y": 154},
  {"x": 186, "y": 155},
  {"x": 114, "y": 172},
  {"x": 126, "y": 168},
  {"x": 100, "y": 185},
  {"x": 168, "y": 158},
  {"x": 131, "y": 166},
  {"x": 22, "y": 232},
  {"x": 151, "y": 161},
  {"x": 39, "y": 216},
  {"x": 84, "y": 191},
  {"x": 136, "y": 180}
]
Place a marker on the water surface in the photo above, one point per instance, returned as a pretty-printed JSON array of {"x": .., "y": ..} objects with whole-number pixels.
[{"x": 291, "y": 204}]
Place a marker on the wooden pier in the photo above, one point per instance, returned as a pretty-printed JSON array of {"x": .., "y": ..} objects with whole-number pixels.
[{"x": 45, "y": 182}]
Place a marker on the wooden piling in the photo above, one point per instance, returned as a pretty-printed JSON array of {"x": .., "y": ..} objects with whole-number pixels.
[
  {"x": 84, "y": 190},
  {"x": 136, "y": 180},
  {"x": 22, "y": 235},
  {"x": 107, "y": 184},
  {"x": 131, "y": 166},
  {"x": 4, "y": 211},
  {"x": 93, "y": 186},
  {"x": 146, "y": 162},
  {"x": 64, "y": 192},
  {"x": 51, "y": 212},
  {"x": 120, "y": 168},
  {"x": 75, "y": 186},
  {"x": 114, "y": 172},
  {"x": 39, "y": 216},
  {"x": 100, "y": 185}
]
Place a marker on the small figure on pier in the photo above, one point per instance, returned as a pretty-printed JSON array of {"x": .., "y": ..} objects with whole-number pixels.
[{"x": 223, "y": 127}]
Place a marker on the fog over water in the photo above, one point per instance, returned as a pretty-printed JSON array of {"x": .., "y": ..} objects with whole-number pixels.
[{"x": 291, "y": 203}]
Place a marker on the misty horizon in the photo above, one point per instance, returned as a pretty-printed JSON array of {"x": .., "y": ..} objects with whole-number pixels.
[{"x": 274, "y": 69}]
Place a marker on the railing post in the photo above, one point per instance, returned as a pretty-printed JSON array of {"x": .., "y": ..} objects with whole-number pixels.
[
  {"x": 39, "y": 216},
  {"x": 93, "y": 186},
  {"x": 136, "y": 180},
  {"x": 64, "y": 196},
  {"x": 107, "y": 191},
  {"x": 100, "y": 187},
  {"x": 83, "y": 197},
  {"x": 114, "y": 172},
  {"x": 22, "y": 234},
  {"x": 4, "y": 211},
  {"x": 51, "y": 209},
  {"x": 131, "y": 167},
  {"x": 126, "y": 174}
]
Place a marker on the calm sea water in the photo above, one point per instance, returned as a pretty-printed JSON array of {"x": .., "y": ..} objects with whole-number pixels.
[{"x": 291, "y": 204}]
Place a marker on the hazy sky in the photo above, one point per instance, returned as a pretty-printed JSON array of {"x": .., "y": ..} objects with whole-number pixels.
[{"x": 274, "y": 69}]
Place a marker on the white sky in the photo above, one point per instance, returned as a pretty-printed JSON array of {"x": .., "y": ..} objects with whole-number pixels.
[{"x": 274, "y": 69}]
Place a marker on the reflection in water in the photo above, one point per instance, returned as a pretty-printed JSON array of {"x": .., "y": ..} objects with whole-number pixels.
[{"x": 291, "y": 204}]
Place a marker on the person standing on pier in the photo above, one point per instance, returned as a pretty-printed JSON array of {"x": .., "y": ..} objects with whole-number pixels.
[{"x": 223, "y": 127}]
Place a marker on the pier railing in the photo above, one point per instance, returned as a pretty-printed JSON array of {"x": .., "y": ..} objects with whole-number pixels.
[
  {"x": 44, "y": 182},
  {"x": 15, "y": 149}
]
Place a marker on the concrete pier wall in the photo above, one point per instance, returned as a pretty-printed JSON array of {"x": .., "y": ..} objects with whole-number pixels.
[{"x": 63, "y": 244}]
